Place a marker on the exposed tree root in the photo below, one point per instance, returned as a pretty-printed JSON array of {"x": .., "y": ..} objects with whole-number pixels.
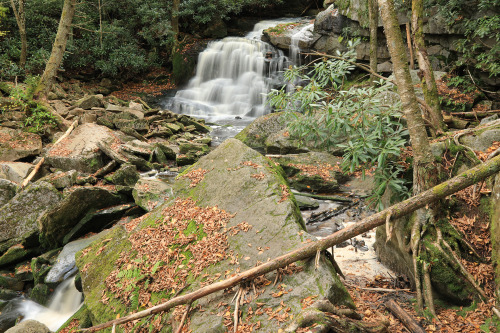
[{"x": 429, "y": 300}]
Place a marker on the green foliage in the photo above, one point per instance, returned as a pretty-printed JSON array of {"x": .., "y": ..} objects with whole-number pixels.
[
  {"x": 39, "y": 119},
  {"x": 481, "y": 45},
  {"x": 325, "y": 112}
]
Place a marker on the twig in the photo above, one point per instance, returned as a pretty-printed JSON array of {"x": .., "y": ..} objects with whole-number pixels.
[
  {"x": 495, "y": 310},
  {"x": 316, "y": 260},
  {"x": 236, "y": 310},
  {"x": 184, "y": 316}
]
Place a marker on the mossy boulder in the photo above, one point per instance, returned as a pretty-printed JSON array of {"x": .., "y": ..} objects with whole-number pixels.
[
  {"x": 15, "y": 254},
  {"x": 79, "y": 151},
  {"x": 263, "y": 222},
  {"x": 63, "y": 216},
  {"x": 29, "y": 326},
  {"x": 126, "y": 175},
  {"x": 18, "y": 218},
  {"x": 61, "y": 180},
  {"x": 15, "y": 144},
  {"x": 88, "y": 102},
  {"x": 255, "y": 134},
  {"x": 8, "y": 190},
  {"x": 40, "y": 293}
]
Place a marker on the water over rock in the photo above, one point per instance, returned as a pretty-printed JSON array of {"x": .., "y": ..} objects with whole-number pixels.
[{"x": 266, "y": 223}]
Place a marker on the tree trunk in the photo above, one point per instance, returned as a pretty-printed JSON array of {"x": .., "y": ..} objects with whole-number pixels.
[
  {"x": 58, "y": 48},
  {"x": 403, "y": 208},
  {"x": 427, "y": 74},
  {"x": 373, "y": 18},
  {"x": 424, "y": 173},
  {"x": 21, "y": 23}
]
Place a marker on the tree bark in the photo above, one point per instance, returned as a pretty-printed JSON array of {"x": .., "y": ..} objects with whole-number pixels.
[
  {"x": 373, "y": 18},
  {"x": 424, "y": 172},
  {"x": 21, "y": 23},
  {"x": 58, "y": 48},
  {"x": 403, "y": 208},
  {"x": 427, "y": 77}
]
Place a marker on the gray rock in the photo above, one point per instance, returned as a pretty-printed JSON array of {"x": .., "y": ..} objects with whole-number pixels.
[
  {"x": 18, "y": 218},
  {"x": 489, "y": 119},
  {"x": 65, "y": 262},
  {"x": 29, "y": 326},
  {"x": 79, "y": 151},
  {"x": 133, "y": 112},
  {"x": 15, "y": 144},
  {"x": 149, "y": 193},
  {"x": 482, "y": 141},
  {"x": 15, "y": 171},
  {"x": 126, "y": 175},
  {"x": 88, "y": 102},
  {"x": 329, "y": 21},
  {"x": 255, "y": 134},
  {"x": 63, "y": 216},
  {"x": 306, "y": 202},
  {"x": 61, "y": 108},
  {"x": 262, "y": 203},
  {"x": 385, "y": 67},
  {"x": 61, "y": 180},
  {"x": 8, "y": 191}
]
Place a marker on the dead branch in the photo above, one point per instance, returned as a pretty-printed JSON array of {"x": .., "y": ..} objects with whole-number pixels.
[
  {"x": 184, "y": 316},
  {"x": 401, "y": 314},
  {"x": 403, "y": 208}
]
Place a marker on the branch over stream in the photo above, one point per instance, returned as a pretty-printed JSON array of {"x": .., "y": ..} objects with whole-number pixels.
[{"x": 440, "y": 191}]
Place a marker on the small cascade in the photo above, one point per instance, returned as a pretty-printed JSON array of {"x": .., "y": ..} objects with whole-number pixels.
[
  {"x": 305, "y": 34},
  {"x": 65, "y": 301},
  {"x": 232, "y": 78}
]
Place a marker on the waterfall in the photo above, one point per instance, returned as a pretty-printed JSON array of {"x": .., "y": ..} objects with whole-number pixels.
[
  {"x": 305, "y": 34},
  {"x": 65, "y": 301},
  {"x": 233, "y": 77}
]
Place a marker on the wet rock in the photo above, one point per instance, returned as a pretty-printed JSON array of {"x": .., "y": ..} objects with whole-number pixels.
[
  {"x": 186, "y": 159},
  {"x": 41, "y": 265},
  {"x": 40, "y": 293},
  {"x": 244, "y": 183},
  {"x": 193, "y": 147},
  {"x": 80, "y": 151},
  {"x": 18, "y": 218},
  {"x": 64, "y": 266},
  {"x": 187, "y": 121},
  {"x": 255, "y": 134},
  {"x": 149, "y": 193},
  {"x": 126, "y": 175},
  {"x": 88, "y": 102},
  {"x": 8, "y": 191},
  {"x": 63, "y": 216},
  {"x": 29, "y": 326},
  {"x": 168, "y": 151},
  {"x": 15, "y": 144},
  {"x": 306, "y": 202}
]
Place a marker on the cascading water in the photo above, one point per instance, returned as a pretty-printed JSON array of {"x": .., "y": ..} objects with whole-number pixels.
[
  {"x": 305, "y": 34},
  {"x": 233, "y": 77}
]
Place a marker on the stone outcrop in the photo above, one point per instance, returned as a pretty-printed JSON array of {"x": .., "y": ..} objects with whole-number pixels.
[
  {"x": 15, "y": 171},
  {"x": 265, "y": 223},
  {"x": 15, "y": 144}
]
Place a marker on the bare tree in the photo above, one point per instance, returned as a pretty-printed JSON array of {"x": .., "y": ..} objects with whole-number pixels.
[
  {"x": 21, "y": 23},
  {"x": 373, "y": 18}
]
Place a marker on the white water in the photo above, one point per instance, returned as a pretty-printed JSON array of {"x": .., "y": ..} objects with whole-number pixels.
[
  {"x": 305, "y": 34},
  {"x": 233, "y": 77},
  {"x": 65, "y": 301}
]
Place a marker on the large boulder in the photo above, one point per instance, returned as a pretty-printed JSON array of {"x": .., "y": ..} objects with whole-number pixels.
[
  {"x": 15, "y": 171},
  {"x": 29, "y": 326},
  {"x": 15, "y": 144},
  {"x": 79, "y": 151},
  {"x": 18, "y": 218},
  {"x": 8, "y": 190},
  {"x": 233, "y": 211},
  {"x": 63, "y": 216}
]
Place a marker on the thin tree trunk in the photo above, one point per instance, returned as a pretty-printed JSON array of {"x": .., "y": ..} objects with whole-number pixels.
[
  {"x": 58, "y": 48},
  {"x": 424, "y": 172},
  {"x": 21, "y": 23},
  {"x": 428, "y": 81},
  {"x": 373, "y": 18},
  {"x": 403, "y": 208},
  {"x": 175, "y": 22}
]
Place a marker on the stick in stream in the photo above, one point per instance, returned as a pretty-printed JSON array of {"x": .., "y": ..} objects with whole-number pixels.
[
  {"x": 401, "y": 314},
  {"x": 39, "y": 164},
  {"x": 400, "y": 209},
  {"x": 324, "y": 197}
]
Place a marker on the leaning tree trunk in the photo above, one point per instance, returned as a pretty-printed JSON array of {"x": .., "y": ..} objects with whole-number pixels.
[
  {"x": 373, "y": 18},
  {"x": 21, "y": 23},
  {"x": 58, "y": 48},
  {"x": 425, "y": 172},
  {"x": 427, "y": 74}
]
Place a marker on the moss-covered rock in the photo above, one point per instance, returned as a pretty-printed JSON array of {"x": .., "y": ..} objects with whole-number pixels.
[
  {"x": 266, "y": 223},
  {"x": 63, "y": 216},
  {"x": 126, "y": 175},
  {"x": 8, "y": 191},
  {"x": 40, "y": 293},
  {"x": 15, "y": 144},
  {"x": 7, "y": 282},
  {"x": 15, "y": 254},
  {"x": 149, "y": 193},
  {"x": 18, "y": 218}
]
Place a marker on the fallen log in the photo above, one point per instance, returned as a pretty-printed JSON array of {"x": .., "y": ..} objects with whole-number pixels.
[
  {"x": 404, "y": 317},
  {"x": 398, "y": 210}
]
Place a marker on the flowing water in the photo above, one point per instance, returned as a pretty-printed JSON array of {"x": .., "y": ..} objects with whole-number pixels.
[
  {"x": 65, "y": 301},
  {"x": 305, "y": 34}
]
